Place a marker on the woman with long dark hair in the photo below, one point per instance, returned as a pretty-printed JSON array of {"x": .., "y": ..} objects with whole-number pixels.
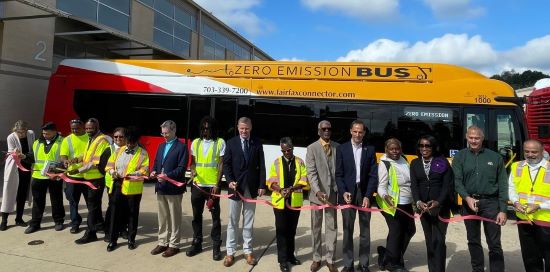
[{"x": 431, "y": 178}]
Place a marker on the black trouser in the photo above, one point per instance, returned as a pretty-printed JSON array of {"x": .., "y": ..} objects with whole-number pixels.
[
  {"x": 488, "y": 208},
  {"x": 286, "y": 222},
  {"x": 535, "y": 247},
  {"x": 124, "y": 208},
  {"x": 108, "y": 215},
  {"x": 434, "y": 233},
  {"x": 198, "y": 200},
  {"x": 39, "y": 189},
  {"x": 401, "y": 229},
  {"x": 73, "y": 193},
  {"x": 95, "y": 215},
  {"x": 22, "y": 192},
  {"x": 348, "y": 222}
]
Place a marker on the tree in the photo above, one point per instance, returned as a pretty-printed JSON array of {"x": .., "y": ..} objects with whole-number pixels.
[{"x": 517, "y": 81}]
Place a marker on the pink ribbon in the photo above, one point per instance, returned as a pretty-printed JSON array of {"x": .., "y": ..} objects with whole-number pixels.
[
  {"x": 67, "y": 179},
  {"x": 211, "y": 194},
  {"x": 17, "y": 161},
  {"x": 175, "y": 182}
]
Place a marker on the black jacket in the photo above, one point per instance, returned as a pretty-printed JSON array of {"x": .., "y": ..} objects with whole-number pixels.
[
  {"x": 437, "y": 187},
  {"x": 346, "y": 172}
]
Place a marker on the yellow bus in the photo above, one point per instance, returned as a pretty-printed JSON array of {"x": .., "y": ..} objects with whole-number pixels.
[{"x": 403, "y": 100}]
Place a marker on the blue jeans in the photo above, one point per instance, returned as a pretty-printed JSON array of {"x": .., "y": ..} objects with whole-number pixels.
[{"x": 73, "y": 193}]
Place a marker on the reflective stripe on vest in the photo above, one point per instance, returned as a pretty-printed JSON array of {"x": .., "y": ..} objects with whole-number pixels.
[
  {"x": 532, "y": 192},
  {"x": 132, "y": 187},
  {"x": 41, "y": 157},
  {"x": 71, "y": 148},
  {"x": 206, "y": 166},
  {"x": 92, "y": 156},
  {"x": 276, "y": 175},
  {"x": 393, "y": 191}
]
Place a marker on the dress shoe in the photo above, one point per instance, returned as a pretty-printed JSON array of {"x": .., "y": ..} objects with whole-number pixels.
[
  {"x": 59, "y": 227},
  {"x": 284, "y": 267},
  {"x": 132, "y": 245},
  {"x": 171, "y": 251},
  {"x": 87, "y": 238},
  {"x": 295, "y": 261},
  {"x": 363, "y": 268},
  {"x": 3, "y": 226},
  {"x": 250, "y": 260},
  {"x": 348, "y": 269},
  {"x": 75, "y": 229},
  {"x": 32, "y": 229},
  {"x": 381, "y": 250},
  {"x": 216, "y": 254},
  {"x": 158, "y": 250},
  {"x": 315, "y": 266},
  {"x": 194, "y": 250},
  {"x": 20, "y": 223},
  {"x": 111, "y": 247},
  {"x": 332, "y": 267},
  {"x": 228, "y": 260}
]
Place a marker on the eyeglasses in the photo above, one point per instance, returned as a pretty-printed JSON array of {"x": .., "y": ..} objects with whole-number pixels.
[
  {"x": 76, "y": 121},
  {"x": 165, "y": 134},
  {"x": 424, "y": 146},
  {"x": 118, "y": 137},
  {"x": 326, "y": 129},
  {"x": 287, "y": 150}
]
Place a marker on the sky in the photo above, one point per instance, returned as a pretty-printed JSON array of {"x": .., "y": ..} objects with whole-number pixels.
[{"x": 487, "y": 36}]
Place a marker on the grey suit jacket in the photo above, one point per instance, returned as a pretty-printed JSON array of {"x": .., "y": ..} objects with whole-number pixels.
[{"x": 320, "y": 172}]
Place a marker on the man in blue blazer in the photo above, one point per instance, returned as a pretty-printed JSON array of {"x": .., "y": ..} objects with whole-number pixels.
[
  {"x": 244, "y": 170},
  {"x": 171, "y": 160},
  {"x": 357, "y": 179}
]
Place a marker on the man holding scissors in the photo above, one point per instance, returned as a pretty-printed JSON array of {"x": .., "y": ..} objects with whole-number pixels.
[{"x": 320, "y": 163}]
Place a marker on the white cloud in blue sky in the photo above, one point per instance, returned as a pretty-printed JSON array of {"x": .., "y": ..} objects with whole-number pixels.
[
  {"x": 454, "y": 9},
  {"x": 362, "y": 9}
]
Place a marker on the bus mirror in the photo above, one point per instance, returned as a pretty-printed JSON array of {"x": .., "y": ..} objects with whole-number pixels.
[
  {"x": 520, "y": 101},
  {"x": 544, "y": 131}
]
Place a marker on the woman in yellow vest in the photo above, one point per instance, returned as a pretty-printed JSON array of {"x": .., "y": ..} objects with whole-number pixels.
[
  {"x": 127, "y": 168},
  {"x": 394, "y": 190},
  {"x": 119, "y": 140},
  {"x": 287, "y": 180}
]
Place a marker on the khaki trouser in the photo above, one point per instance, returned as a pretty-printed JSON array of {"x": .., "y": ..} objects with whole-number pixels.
[{"x": 170, "y": 216}]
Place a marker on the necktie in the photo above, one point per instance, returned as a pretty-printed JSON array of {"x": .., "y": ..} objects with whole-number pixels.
[
  {"x": 246, "y": 150},
  {"x": 328, "y": 150},
  {"x": 130, "y": 151}
]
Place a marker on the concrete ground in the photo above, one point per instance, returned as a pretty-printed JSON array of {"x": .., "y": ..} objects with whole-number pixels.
[{"x": 60, "y": 253}]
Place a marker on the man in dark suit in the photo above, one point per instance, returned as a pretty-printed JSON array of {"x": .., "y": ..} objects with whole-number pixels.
[
  {"x": 356, "y": 178},
  {"x": 170, "y": 160},
  {"x": 244, "y": 170}
]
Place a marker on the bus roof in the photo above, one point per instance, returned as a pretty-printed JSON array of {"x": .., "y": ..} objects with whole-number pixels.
[{"x": 414, "y": 82}]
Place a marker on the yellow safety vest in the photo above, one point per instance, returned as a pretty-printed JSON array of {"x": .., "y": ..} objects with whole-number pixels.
[
  {"x": 529, "y": 192},
  {"x": 139, "y": 163},
  {"x": 393, "y": 191},
  {"x": 74, "y": 146},
  {"x": 206, "y": 167},
  {"x": 41, "y": 158},
  {"x": 93, "y": 154},
  {"x": 108, "y": 178},
  {"x": 276, "y": 175}
]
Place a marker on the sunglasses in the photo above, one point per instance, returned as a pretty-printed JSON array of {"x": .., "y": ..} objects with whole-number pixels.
[
  {"x": 326, "y": 129},
  {"x": 424, "y": 146},
  {"x": 118, "y": 137},
  {"x": 76, "y": 121}
]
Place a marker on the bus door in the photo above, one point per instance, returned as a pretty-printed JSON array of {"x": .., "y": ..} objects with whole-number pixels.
[{"x": 506, "y": 135}]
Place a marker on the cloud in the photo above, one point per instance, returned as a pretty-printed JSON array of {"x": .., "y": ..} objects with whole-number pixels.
[
  {"x": 454, "y": 9},
  {"x": 238, "y": 15},
  {"x": 363, "y": 9},
  {"x": 459, "y": 49}
]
